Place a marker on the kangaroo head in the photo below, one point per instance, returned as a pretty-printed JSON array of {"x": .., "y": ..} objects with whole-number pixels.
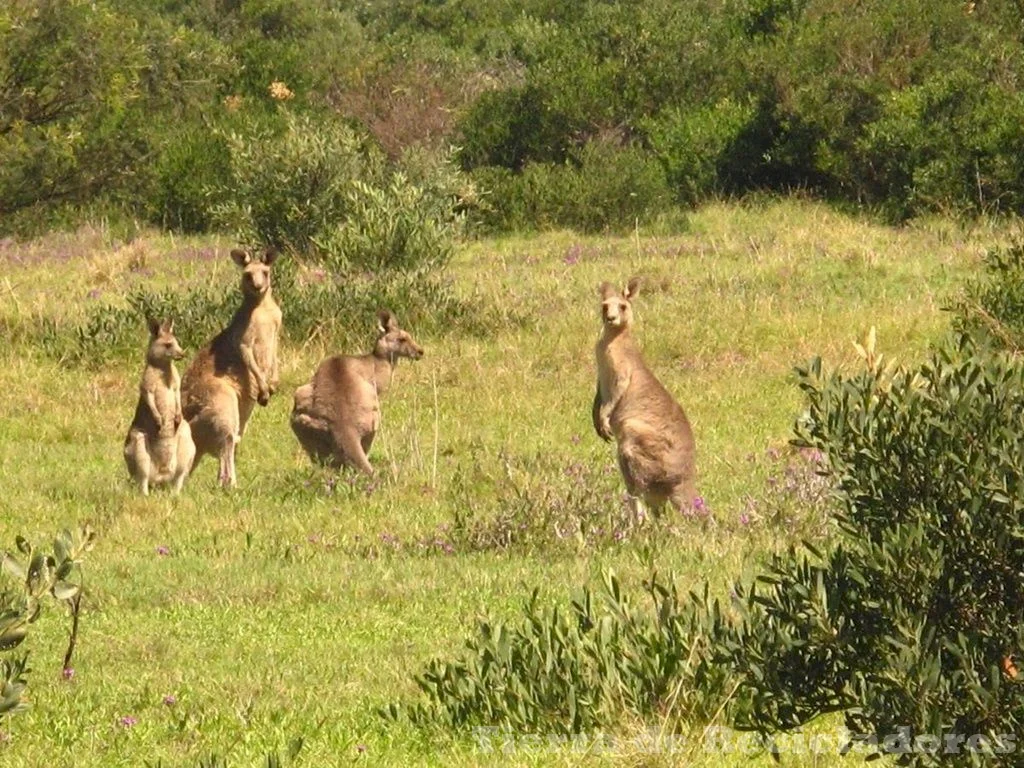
[
  {"x": 255, "y": 271},
  {"x": 163, "y": 346},
  {"x": 392, "y": 341},
  {"x": 617, "y": 308}
]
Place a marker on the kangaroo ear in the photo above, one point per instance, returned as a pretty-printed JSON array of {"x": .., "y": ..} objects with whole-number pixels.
[
  {"x": 167, "y": 326},
  {"x": 633, "y": 288},
  {"x": 270, "y": 255},
  {"x": 386, "y": 322},
  {"x": 154, "y": 326},
  {"x": 605, "y": 289},
  {"x": 241, "y": 258}
]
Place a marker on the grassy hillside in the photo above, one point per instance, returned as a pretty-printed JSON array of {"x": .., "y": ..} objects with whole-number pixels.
[{"x": 297, "y": 603}]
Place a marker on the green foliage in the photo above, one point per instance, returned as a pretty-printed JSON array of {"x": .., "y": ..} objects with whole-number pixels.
[
  {"x": 325, "y": 190},
  {"x": 512, "y": 128},
  {"x": 316, "y": 302},
  {"x": 393, "y": 227},
  {"x": 697, "y": 147},
  {"x": 290, "y": 187},
  {"x": 991, "y": 306},
  {"x": 118, "y": 332},
  {"x": 189, "y": 171},
  {"x": 37, "y": 575},
  {"x": 911, "y": 620},
  {"x": 69, "y": 76},
  {"x": 603, "y": 188},
  {"x": 570, "y": 672}
]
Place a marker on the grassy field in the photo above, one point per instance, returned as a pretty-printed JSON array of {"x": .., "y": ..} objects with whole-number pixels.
[{"x": 296, "y": 604}]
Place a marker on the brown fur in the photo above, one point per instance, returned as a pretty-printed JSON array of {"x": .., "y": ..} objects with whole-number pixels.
[
  {"x": 236, "y": 370},
  {"x": 337, "y": 415},
  {"x": 158, "y": 448},
  {"x": 655, "y": 441}
]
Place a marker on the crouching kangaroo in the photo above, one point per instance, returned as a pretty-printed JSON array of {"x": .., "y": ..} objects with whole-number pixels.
[
  {"x": 655, "y": 442},
  {"x": 237, "y": 369},
  {"x": 337, "y": 415},
  {"x": 159, "y": 447}
]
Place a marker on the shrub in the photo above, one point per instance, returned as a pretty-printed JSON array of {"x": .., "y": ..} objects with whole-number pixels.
[
  {"x": 513, "y": 127},
  {"x": 570, "y": 672},
  {"x": 192, "y": 166},
  {"x": 605, "y": 187},
  {"x": 292, "y": 187},
  {"x": 913, "y": 621},
  {"x": 696, "y": 146},
  {"x": 118, "y": 332},
  {"x": 37, "y": 575},
  {"x": 991, "y": 305},
  {"x": 392, "y": 227}
]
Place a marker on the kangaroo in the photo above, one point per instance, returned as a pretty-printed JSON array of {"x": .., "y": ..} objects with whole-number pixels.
[
  {"x": 159, "y": 447},
  {"x": 655, "y": 442},
  {"x": 337, "y": 415},
  {"x": 238, "y": 368}
]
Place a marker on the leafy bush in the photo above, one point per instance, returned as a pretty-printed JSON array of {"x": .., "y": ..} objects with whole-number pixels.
[
  {"x": 118, "y": 332},
  {"x": 189, "y": 170},
  {"x": 290, "y": 188},
  {"x": 36, "y": 576},
  {"x": 390, "y": 227},
  {"x": 914, "y": 619},
  {"x": 604, "y": 188},
  {"x": 991, "y": 305},
  {"x": 696, "y": 146},
  {"x": 315, "y": 302},
  {"x": 569, "y": 672}
]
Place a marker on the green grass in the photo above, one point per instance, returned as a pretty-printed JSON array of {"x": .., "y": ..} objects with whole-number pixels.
[{"x": 280, "y": 612}]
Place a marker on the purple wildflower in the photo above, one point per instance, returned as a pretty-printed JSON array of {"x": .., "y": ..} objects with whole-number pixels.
[
  {"x": 68, "y": 673},
  {"x": 744, "y": 518},
  {"x": 128, "y": 721},
  {"x": 94, "y": 293},
  {"x": 163, "y": 550},
  {"x": 170, "y": 700},
  {"x": 700, "y": 507}
]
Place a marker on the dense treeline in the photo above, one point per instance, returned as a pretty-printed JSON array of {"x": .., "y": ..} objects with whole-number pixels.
[{"x": 587, "y": 114}]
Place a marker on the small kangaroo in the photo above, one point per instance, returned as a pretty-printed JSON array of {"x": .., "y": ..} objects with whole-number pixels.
[
  {"x": 655, "y": 442},
  {"x": 237, "y": 369},
  {"x": 159, "y": 447},
  {"x": 337, "y": 415}
]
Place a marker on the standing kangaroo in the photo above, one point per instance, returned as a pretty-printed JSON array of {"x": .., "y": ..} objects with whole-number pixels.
[
  {"x": 655, "y": 441},
  {"x": 337, "y": 415},
  {"x": 159, "y": 447},
  {"x": 236, "y": 369}
]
